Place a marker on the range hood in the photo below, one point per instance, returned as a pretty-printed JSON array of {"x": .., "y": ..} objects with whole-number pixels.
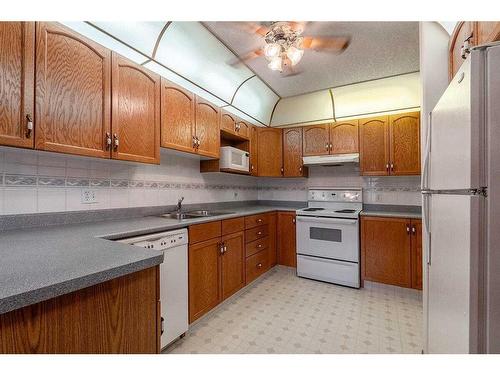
[{"x": 340, "y": 159}]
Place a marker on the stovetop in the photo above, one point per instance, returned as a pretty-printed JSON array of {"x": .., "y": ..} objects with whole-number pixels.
[{"x": 335, "y": 203}]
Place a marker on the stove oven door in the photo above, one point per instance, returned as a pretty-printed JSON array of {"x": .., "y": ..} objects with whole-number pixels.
[{"x": 326, "y": 237}]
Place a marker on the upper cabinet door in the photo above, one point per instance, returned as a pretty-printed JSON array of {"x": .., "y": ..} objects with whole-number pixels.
[
  {"x": 254, "y": 147},
  {"x": 72, "y": 92},
  {"x": 17, "y": 61},
  {"x": 344, "y": 137},
  {"x": 487, "y": 31},
  {"x": 207, "y": 128},
  {"x": 228, "y": 122},
  {"x": 135, "y": 112},
  {"x": 270, "y": 152},
  {"x": 464, "y": 31},
  {"x": 404, "y": 133},
  {"x": 374, "y": 146},
  {"x": 242, "y": 129},
  {"x": 316, "y": 140},
  {"x": 292, "y": 152},
  {"x": 177, "y": 117}
]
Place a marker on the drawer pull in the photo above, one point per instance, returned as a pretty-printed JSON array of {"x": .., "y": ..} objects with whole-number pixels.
[
  {"x": 259, "y": 245},
  {"x": 259, "y": 265},
  {"x": 259, "y": 233},
  {"x": 259, "y": 221}
]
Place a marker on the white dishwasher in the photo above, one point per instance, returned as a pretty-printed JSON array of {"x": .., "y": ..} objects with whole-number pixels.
[{"x": 173, "y": 279}]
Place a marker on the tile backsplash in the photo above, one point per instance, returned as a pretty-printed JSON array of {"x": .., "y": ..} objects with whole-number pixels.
[
  {"x": 35, "y": 181},
  {"x": 376, "y": 190}
]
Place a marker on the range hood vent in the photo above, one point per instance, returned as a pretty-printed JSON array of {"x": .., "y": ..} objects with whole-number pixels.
[{"x": 331, "y": 159}]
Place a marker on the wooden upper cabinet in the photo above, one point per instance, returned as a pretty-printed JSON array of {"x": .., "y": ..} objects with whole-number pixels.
[
  {"x": 316, "y": 140},
  {"x": 464, "y": 31},
  {"x": 177, "y": 117},
  {"x": 374, "y": 146},
  {"x": 404, "y": 133},
  {"x": 72, "y": 92},
  {"x": 233, "y": 263},
  {"x": 416, "y": 254},
  {"x": 385, "y": 247},
  {"x": 204, "y": 277},
  {"x": 243, "y": 129},
  {"x": 207, "y": 131},
  {"x": 254, "y": 151},
  {"x": 135, "y": 112},
  {"x": 270, "y": 152},
  {"x": 487, "y": 31},
  {"x": 17, "y": 61},
  {"x": 344, "y": 137},
  {"x": 228, "y": 122},
  {"x": 292, "y": 152}
]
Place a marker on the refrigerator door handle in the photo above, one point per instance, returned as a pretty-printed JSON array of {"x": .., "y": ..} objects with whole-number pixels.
[
  {"x": 426, "y": 220},
  {"x": 427, "y": 150}
]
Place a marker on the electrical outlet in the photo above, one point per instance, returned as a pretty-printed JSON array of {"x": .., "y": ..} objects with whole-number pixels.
[
  {"x": 235, "y": 194},
  {"x": 89, "y": 196}
]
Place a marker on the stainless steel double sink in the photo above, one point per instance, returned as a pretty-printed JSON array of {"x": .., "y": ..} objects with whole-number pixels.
[{"x": 194, "y": 214}]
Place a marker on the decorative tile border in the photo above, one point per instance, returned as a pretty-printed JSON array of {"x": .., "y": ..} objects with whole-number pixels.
[{"x": 19, "y": 180}]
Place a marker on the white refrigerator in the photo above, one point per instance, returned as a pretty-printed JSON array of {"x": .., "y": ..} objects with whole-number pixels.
[{"x": 461, "y": 211}]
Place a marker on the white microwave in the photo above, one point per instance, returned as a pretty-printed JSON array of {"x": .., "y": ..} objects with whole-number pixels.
[{"x": 234, "y": 158}]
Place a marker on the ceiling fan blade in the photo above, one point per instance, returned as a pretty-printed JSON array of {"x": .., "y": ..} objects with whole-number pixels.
[
  {"x": 246, "y": 57},
  {"x": 298, "y": 25},
  {"x": 331, "y": 44}
]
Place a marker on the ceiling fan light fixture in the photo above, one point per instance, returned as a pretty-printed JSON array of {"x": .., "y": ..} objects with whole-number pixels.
[
  {"x": 294, "y": 54},
  {"x": 272, "y": 50},
  {"x": 276, "y": 64}
]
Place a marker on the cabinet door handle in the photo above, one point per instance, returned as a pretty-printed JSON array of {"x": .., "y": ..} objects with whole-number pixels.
[
  {"x": 414, "y": 230},
  {"x": 225, "y": 249},
  {"x": 407, "y": 229},
  {"x": 116, "y": 141},
  {"x": 29, "y": 126},
  {"x": 194, "y": 141},
  {"x": 108, "y": 141},
  {"x": 387, "y": 167},
  {"x": 331, "y": 146},
  {"x": 221, "y": 248},
  {"x": 198, "y": 142},
  {"x": 293, "y": 220},
  {"x": 251, "y": 167},
  {"x": 327, "y": 146},
  {"x": 300, "y": 169},
  {"x": 392, "y": 167}
]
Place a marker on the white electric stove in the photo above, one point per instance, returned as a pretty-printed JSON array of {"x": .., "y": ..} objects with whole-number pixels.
[{"x": 328, "y": 236}]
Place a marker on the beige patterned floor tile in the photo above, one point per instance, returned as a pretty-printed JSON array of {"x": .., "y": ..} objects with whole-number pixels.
[{"x": 281, "y": 313}]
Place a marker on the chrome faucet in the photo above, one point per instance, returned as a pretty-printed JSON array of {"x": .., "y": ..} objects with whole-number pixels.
[{"x": 179, "y": 204}]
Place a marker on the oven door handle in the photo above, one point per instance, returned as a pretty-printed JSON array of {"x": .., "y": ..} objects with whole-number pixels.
[{"x": 326, "y": 220}]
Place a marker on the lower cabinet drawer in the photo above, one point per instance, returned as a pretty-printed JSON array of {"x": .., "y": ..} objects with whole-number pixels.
[
  {"x": 256, "y": 233},
  {"x": 254, "y": 247},
  {"x": 256, "y": 265}
]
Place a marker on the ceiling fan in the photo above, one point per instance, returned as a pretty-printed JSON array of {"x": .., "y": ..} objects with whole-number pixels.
[{"x": 284, "y": 44}]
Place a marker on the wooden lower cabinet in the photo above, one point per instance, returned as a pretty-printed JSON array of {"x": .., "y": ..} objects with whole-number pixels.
[
  {"x": 233, "y": 263},
  {"x": 391, "y": 251},
  {"x": 117, "y": 316},
  {"x": 416, "y": 254},
  {"x": 287, "y": 255},
  {"x": 204, "y": 277}
]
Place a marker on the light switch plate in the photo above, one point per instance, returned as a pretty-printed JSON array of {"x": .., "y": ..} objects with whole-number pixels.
[{"x": 89, "y": 196}]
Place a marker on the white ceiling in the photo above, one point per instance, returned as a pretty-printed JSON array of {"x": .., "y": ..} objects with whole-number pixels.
[{"x": 377, "y": 49}]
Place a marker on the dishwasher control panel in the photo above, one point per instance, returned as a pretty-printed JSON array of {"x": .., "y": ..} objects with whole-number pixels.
[{"x": 159, "y": 241}]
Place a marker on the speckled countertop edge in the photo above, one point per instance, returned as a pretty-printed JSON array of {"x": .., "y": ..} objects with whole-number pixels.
[{"x": 42, "y": 263}]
